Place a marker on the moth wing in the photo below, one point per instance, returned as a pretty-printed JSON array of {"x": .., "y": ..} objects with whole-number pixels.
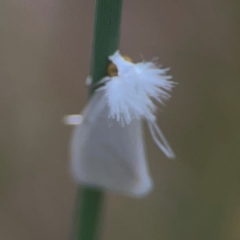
[{"x": 104, "y": 154}]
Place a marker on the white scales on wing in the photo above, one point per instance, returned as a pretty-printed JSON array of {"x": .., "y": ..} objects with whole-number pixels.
[{"x": 105, "y": 154}]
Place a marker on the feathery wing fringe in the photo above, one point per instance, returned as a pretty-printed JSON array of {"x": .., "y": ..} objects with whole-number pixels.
[{"x": 132, "y": 93}]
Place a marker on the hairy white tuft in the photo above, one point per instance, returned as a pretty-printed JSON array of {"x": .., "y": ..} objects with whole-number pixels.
[{"x": 131, "y": 94}]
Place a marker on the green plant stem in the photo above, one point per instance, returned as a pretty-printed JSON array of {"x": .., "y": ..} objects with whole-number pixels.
[
  {"x": 106, "y": 35},
  {"x": 106, "y": 42}
]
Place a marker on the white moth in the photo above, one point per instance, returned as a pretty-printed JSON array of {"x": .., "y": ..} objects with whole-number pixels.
[{"x": 107, "y": 148}]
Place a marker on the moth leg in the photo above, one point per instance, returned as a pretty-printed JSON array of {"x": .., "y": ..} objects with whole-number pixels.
[
  {"x": 160, "y": 140},
  {"x": 74, "y": 119},
  {"x": 98, "y": 85}
]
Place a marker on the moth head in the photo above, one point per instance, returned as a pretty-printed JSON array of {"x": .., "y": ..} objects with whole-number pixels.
[{"x": 112, "y": 69}]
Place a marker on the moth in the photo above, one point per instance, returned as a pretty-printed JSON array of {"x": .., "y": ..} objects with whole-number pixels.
[{"x": 107, "y": 146}]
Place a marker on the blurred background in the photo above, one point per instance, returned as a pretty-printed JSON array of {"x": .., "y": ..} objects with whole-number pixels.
[{"x": 45, "y": 57}]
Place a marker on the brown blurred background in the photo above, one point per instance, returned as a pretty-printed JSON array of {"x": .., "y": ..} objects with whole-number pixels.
[{"x": 45, "y": 56}]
